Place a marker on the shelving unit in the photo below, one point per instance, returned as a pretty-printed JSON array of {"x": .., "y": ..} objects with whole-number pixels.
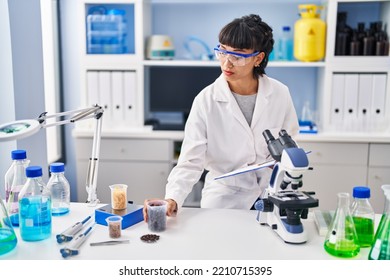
[
  {"x": 307, "y": 81},
  {"x": 354, "y": 64},
  {"x": 128, "y": 109},
  {"x": 199, "y": 63}
]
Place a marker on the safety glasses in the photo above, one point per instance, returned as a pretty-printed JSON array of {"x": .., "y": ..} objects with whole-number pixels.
[{"x": 237, "y": 59}]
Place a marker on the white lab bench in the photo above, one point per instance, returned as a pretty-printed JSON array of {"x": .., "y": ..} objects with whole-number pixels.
[
  {"x": 195, "y": 234},
  {"x": 143, "y": 160}
]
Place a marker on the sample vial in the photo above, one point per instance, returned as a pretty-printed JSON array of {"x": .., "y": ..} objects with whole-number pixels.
[
  {"x": 114, "y": 226},
  {"x": 363, "y": 216},
  {"x": 59, "y": 189}
]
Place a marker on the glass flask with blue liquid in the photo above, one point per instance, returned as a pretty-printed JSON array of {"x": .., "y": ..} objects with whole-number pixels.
[
  {"x": 35, "y": 220},
  {"x": 8, "y": 238}
]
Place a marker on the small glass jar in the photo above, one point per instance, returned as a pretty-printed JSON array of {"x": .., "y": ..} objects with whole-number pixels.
[
  {"x": 118, "y": 196},
  {"x": 114, "y": 226}
]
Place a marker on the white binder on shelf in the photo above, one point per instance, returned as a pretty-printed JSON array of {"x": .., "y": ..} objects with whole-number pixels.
[
  {"x": 105, "y": 97},
  {"x": 337, "y": 100},
  {"x": 118, "y": 103},
  {"x": 351, "y": 91},
  {"x": 130, "y": 97},
  {"x": 378, "y": 100},
  {"x": 92, "y": 97},
  {"x": 92, "y": 88},
  {"x": 364, "y": 101}
]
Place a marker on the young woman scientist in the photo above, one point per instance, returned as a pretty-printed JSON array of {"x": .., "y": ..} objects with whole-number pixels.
[{"x": 224, "y": 128}]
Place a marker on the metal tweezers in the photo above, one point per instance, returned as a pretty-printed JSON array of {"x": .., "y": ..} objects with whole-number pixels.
[{"x": 111, "y": 242}]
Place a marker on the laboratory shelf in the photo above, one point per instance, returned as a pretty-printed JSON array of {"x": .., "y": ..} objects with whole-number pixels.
[
  {"x": 189, "y": 63},
  {"x": 348, "y": 137},
  {"x": 295, "y": 64},
  {"x": 228, "y": 1},
  {"x": 202, "y": 63},
  {"x": 367, "y": 61}
]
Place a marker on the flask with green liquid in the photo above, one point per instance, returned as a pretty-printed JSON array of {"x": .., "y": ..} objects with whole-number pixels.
[
  {"x": 341, "y": 239},
  {"x": 8, "y": 238},
  {"x": 381, "y": 248},
  {"x": 363, "y": 216}
]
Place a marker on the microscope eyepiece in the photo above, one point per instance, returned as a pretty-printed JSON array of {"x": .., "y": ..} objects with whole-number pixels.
[
  {"x": 286, "y": 140},
  {"x": 283, "y": 132},
  {"x": 268, "y": 136}
]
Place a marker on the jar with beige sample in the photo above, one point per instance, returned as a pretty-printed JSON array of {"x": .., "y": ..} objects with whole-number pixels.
[{"x": 118, "y": 196}]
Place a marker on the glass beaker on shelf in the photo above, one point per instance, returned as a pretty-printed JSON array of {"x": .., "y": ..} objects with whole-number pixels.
[
  {"x": 381, "y": 248},
  {"x": 341, "y": 239}
]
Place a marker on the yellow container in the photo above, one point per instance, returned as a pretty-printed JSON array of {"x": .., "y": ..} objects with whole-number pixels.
[{"x": 309, "y": 34}]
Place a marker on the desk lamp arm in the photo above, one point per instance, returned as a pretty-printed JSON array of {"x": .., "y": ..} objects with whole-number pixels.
[{"x": 82, "y": 114}]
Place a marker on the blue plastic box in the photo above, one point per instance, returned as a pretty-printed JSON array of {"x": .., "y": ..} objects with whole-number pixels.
[{"x": 131, "y": 216}]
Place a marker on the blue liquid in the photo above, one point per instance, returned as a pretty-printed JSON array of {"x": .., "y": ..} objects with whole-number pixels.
[
  {"x": 7, "y": 240},
  {"x": 35, "y": 218},
  {"x": 59, "y": 211},
  {"x": 14, "y": 219}
]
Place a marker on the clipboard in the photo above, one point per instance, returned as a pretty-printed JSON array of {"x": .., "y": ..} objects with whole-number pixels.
[{"x": 249, "y": 168}]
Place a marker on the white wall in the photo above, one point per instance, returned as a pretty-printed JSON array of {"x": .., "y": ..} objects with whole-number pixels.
[
  {"x": 21, "y": 78},
  {"x": 71, "y": 81},
  {"x": 27, "y": 64},
  {"x": 6, "y": 90}
]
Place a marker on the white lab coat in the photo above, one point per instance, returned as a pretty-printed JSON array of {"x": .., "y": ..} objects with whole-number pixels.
[{"x": 219, "y": 139}]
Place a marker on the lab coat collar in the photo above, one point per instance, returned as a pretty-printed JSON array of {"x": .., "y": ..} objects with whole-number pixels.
[
  {"x": 263, "y": 91},
  {"x": 264, "y": 88}
]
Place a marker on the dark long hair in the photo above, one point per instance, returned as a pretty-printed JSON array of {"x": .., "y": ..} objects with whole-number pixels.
[{"x": 249, "y": 32}]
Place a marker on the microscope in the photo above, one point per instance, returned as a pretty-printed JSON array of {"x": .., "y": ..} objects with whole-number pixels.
[{"x": 282, "y": 206}]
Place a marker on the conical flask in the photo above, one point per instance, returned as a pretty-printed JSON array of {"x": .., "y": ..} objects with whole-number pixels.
[
  {"x": 381, "y": 248},
  {"x": 8, "y": 238},
  {"x": 341, "y": 239}
]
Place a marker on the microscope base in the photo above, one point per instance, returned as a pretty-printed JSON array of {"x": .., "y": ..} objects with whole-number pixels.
[{"x": 290, "y": 234}]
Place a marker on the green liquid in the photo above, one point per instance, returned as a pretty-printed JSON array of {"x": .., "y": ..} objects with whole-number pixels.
[
  {"x": 365, "y": 231},
  {"x": 7, "y": 240},
  {"x": 342, "y": 248},
  {"x": 381, "y": 247},
  {"x": 381, "y": 253}
]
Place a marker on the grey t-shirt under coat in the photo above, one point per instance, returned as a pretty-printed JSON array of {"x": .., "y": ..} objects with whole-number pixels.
[{"x": 247, "y": 105}]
